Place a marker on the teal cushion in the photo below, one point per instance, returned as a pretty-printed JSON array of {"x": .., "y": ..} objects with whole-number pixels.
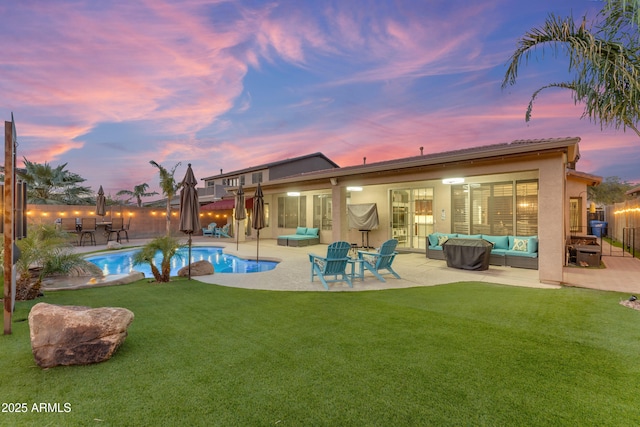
[
  {"x": 301, "y": 230},
  {"x": 433, "y": 237},
  {"x": 532, "y": 244},
  {"x": 470, "y": 236},
  {"x": 499, "y": 251},
  {"x": 499, "y": 242},
  {"x": 312, "y": 232}
]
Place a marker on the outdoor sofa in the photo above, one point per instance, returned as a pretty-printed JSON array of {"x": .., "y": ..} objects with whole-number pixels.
[
  {"x": 304, "y": 237},
  {"x": 512, "y": 251}
]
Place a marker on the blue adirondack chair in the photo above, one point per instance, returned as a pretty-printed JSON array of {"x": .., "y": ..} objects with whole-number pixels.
[
  {"x": 210, "y": 230},
  {"x": 380, "y": 260},
  {"x": 222, "y": 232},
  {"x": 333, "y": 265}
]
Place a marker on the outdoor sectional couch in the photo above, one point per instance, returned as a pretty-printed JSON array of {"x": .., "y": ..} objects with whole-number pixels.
[
  {"x": 304, "y": 237},
  {"x": 513, "y": 251}
]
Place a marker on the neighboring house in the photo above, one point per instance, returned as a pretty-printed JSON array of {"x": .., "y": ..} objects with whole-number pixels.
[
  {"x": 634, "y": 192},
  {"x": 522, "y": 188},
  {"x": 268, "y": 172},
  {"x": 218, "y": 184}
]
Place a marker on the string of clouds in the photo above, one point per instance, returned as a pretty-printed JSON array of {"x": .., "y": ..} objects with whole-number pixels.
[{"x": 108, "y": 86}]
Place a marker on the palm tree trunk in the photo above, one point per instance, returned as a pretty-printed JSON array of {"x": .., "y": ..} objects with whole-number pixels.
[{"x": 168, "y": 216}]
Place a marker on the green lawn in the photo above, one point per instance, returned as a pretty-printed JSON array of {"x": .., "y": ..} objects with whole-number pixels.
[{"x": 459, "y": 354}]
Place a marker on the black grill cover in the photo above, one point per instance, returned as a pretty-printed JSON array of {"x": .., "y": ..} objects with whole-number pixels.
[{"x": 467, "y": 254}]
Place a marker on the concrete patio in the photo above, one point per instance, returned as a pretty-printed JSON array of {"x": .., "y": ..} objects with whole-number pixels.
[{"x": 293, "y": 274}]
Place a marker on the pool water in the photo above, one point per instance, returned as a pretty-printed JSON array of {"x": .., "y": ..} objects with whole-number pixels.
[{"x": 122, "y": 262}]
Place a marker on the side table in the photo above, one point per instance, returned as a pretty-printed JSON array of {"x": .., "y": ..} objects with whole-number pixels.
[{"x": 357, "y": 269}]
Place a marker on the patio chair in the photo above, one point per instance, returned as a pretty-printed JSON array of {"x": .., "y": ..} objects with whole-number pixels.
[
  {"x": 222, "y": 232},
  {"x": 210, "y": 230},
  {"x": 125, "y": 230},
  {"x": 115, "y": 228},
  {"x": 334, "y": 264},
  {"x": 88, "y": 228},
  {"x": 70, "y": 226},
  {"x": 380, "y": 260}
]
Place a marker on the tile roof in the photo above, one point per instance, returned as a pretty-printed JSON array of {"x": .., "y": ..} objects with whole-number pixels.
[{"x": 471, "y": 153}]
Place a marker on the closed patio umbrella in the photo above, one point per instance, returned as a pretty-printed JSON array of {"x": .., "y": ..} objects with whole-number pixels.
[
  {"x": 189, "y": 208},
  {"x": 258, "y": 219},
  {"x": 101, "y": 204},
  {"x": 240, "y": 213}
]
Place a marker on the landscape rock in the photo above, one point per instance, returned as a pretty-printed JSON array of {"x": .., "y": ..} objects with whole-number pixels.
[
  {"x": 198, "y": 268},
  {"x": 73, "y": 335},
  {"x": 114, "y": 245}
]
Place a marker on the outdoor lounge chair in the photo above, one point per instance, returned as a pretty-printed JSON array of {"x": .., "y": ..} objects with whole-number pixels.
[
  {"x": 380, "y": 260},
  {"x": 222, "y": 232},
  {"x": 210, "y": 230},
  {"x": 334, "y": 264}
]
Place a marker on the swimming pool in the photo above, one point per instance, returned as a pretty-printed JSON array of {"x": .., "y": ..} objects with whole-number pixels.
[{"x": 122, "y": 262}]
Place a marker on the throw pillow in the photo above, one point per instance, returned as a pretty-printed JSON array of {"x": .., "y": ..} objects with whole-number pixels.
[
  {"x": 442, "y": 239},
  {"x": 520, "y": 245}
]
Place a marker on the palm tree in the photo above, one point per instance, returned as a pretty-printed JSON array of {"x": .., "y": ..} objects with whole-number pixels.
[
  {"x": 169, "y": 187},
  {"x": 168, "y": 247},
  {"x": 49, "y": 186},
  {"x": 139, "y": 191},
  {"x": 45, "y": 251},
  {"x": 604, "y": 62}
]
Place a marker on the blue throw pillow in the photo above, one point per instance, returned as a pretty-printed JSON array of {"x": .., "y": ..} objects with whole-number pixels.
[{"x": 301, "y": 230}]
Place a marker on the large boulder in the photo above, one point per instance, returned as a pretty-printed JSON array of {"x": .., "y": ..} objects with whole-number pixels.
[
  {"x": 72, "y": 335},
  {"x": 198, "y": 268}
]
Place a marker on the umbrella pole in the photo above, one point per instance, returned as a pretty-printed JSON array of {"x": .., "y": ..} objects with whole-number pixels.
[
  {"x": 258, "y": 248},
  {"x": 189, "y": 260},
  {"x": 237, "y": 235}
]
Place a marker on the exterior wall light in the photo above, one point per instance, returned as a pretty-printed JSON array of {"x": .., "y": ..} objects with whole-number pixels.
[
  {"x": 293, "y": 193},
  {"x": 354, "y": 188},
  {"x": 453, "y": 180}
]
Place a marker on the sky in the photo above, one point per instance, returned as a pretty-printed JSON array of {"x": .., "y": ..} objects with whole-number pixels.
[{"x": 106, "y": 87}]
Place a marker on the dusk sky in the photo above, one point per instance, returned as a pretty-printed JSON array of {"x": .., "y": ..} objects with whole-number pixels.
[{"x": 107, "y": 86}]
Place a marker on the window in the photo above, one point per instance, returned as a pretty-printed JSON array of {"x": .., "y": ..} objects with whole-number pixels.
[
  {"x": 322, "y": 211},
  {"x": 292, "y": 211},
  {"x": 488, "y": 208},
  {"x": 256, "y": 177},
  {"x": 233, "y": 182},
  {"x": 527, "y": 208},
  {"x": 575, "y": 213},
  {"x": 460, "y": 208}
]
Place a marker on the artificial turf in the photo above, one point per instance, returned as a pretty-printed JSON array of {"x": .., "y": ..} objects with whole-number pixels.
[{"x": 458, "y": 354}]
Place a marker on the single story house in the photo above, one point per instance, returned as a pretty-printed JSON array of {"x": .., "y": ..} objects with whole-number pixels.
[{"x": 520, "y": 188}]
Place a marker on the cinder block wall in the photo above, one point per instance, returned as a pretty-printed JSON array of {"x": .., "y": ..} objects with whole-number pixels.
[{"x": 145, "y": 222}]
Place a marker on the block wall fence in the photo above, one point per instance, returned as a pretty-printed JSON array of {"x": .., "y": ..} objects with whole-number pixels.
[{"x": 146, "y": 222}]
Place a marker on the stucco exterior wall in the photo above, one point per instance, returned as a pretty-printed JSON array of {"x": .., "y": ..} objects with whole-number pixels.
[{"x": 551, "y": 219}]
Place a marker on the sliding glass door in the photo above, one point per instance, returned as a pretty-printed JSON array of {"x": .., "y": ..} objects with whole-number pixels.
[{"x": 411, "y": 216}]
